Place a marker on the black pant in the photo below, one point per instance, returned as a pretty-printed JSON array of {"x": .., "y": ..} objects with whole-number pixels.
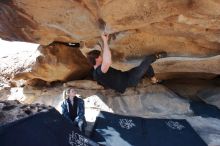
[{"x": 135, "y": 74}]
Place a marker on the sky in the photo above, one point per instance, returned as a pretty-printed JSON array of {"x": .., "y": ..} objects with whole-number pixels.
[{"x": 7, "y": 47}]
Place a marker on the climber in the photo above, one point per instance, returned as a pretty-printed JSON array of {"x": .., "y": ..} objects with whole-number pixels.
[
  {"x": 115, "y": 79},
  {"x": 73, "y": 109}
]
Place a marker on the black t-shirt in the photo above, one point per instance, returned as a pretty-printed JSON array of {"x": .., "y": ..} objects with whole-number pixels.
[
  {"x": 72, "y": 108},
  {"x": 113, "y": 78}
]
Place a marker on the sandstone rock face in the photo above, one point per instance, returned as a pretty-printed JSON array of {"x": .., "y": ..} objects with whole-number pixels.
[
  {"x": 84, "y": 84},
  {"x": 211, "y": 96},
  {"x": 189, "y": 30},
  {"x": 184, "y": 28},
  {"x": 57, "y": 62}
]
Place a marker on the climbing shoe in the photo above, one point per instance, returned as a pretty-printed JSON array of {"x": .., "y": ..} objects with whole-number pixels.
[{"x": 161, "y": 55}]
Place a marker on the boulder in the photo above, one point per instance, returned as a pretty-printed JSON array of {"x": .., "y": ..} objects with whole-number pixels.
[
  {"x": 57, "y": 62},
  {"x": 185, "y": 28},
  {"x": 182, "y": 28}
]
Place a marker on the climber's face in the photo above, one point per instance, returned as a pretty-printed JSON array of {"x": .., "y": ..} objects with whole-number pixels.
[{"x": 99, "y": 60}]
